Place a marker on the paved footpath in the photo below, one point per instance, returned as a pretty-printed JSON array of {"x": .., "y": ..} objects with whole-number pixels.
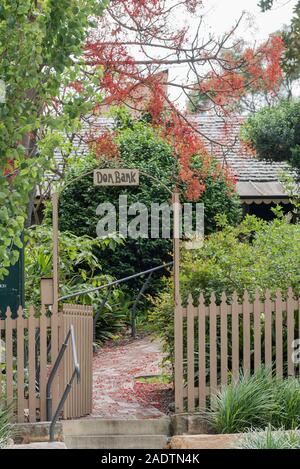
[{"x": 115, "y": 368}]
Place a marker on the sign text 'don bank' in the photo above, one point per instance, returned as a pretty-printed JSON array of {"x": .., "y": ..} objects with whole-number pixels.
[{"x": 116, "y": 177}]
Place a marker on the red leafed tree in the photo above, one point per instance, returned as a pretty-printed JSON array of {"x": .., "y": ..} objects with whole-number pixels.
[{"x": 137, "y": 40}]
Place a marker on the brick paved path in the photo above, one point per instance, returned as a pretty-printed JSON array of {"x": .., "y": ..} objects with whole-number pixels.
[{"x": 115, "y": 368}]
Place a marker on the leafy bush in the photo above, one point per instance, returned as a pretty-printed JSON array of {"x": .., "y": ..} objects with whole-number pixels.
[
  {"x": 80, "y": 270},
  {"x": 275, "y": 133},
  {"x": 271, "y": 439},
  {"x": 6, "y": 429},
  {"x": 141, "y": 147},
  {"x": 255, "y": 402},
  {"x": 256, "y": 255}
]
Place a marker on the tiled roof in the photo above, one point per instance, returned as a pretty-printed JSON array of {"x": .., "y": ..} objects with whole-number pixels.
[
  {"x": 92, "y": 126},
  {"x": 225, "y": 144},
  {"x": 222, "y": 141}
]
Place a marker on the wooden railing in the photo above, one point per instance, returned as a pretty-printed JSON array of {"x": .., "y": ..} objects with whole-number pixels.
[{"x": 214, "y": 342}]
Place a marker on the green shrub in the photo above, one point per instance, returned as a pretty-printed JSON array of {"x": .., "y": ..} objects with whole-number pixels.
[
  {"x": 114, "y": 317},
  {"x": 241, "y": 405},
  {"x": 256, "y": 255},
  {"x": 140, "y": 146},
  {"x": 256, "y": 402},
  {"x": 287, "y": 397},
  {"x": 270, "y": 439},
  {"x": 274, "y": 132},
  {"x": 6, "y": 430},
  {"x": 80, "y": 270}
]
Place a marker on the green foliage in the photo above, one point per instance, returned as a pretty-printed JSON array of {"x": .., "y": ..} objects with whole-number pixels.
[
  {"x": 255, "y": 402},
  {"x": 161, "y": 318},
  {"x": 256, "y": 255},
  {"x": 79, "y": 266},
  {"x": 292, "y": 42},
  {"x": 266, "y": 4},
  {"x": 114, "y": 316},
  {"x": 6, "y": 430},
  {"x": 39, "y": 44},
  {"x": 80, "y": 270},
  {"x": 270, "y": 439},
  {"x": 219, "y": 203},
  {"x": 247, "y": 403},
  {"x": 140, "y": 147},
  {"x": 275, "y": 133},
  {"x": 287, "y": 398}
]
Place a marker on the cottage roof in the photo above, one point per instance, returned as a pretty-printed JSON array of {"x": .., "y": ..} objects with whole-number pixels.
[{"x": 257, "y": 180}]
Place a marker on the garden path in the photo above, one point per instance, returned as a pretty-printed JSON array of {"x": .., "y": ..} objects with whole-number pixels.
[{"x": 116, "y": 392}]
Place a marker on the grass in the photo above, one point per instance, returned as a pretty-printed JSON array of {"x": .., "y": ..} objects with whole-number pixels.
[
  {"x": 271, "y": 439},
  {"x": 5, "y": 427},
  {"x": 161, "y": 379},
  {"x": 256, "y": 402}
]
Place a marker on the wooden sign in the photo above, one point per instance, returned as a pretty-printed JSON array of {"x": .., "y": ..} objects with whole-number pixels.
[{"x": 116, "y": 177}]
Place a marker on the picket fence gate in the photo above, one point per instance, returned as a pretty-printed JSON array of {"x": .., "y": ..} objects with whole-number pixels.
[
  {"x": 29, "y": 346},
  {"x": 214, "y": 342}
]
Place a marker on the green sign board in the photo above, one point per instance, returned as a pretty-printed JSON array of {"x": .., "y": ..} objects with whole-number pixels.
[{"x": 12, "y": 288}]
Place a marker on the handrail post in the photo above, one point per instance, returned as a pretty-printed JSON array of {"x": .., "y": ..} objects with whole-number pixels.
[
  {"x": 52, "y": 375},
  {"x": 60, "y": 406},
  {"x": 103, "y": 303},
  {"x": 133, "y": 311},
  {"x": 67, "y": 390}
]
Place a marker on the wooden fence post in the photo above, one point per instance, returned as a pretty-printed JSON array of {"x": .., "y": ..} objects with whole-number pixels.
[
  {"x": 178, "y": 320},
  {"x": 202, "y": 352},
  {"x": 20, "y": 366}
]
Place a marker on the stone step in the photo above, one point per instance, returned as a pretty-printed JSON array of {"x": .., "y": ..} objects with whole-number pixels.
[
  {"x": 116, "y": 442},
  {"x": 105, "y": 427},
  {"x": 41, "y": 445}
]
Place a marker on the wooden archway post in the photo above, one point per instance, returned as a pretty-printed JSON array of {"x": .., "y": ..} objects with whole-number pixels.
[
  {"x": 55, "y": 201},
  {"x": 55, "y": 315},
  {"x": 178, "y": 334}
]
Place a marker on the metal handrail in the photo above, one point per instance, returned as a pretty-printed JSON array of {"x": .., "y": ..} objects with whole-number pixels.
[
  {"x": 115, "y": 282},
  {"x": 126, "y": 279},
  {"x": 67, "y": 390}
]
